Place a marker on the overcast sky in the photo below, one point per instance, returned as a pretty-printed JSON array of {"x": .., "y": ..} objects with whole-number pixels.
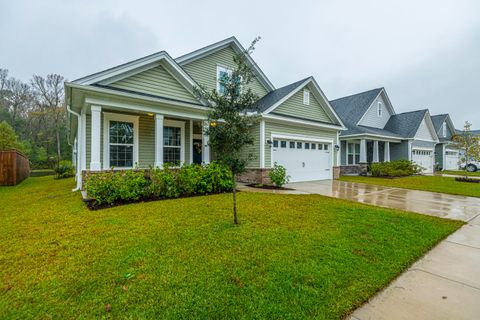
[{"x": 425, "y": 53}]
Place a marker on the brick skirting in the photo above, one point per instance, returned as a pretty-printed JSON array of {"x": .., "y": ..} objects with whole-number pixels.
[
  {"x": 255, "y": 176},
  {"x": 360, "y": 169}
]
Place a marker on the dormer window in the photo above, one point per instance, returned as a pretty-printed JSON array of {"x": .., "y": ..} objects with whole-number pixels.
[
  {"x": 222, "y": 73},
  {"x": 444, "y": 129},
  {"x": 306, "y": 97},
  {"x": 379, "y": 109}
]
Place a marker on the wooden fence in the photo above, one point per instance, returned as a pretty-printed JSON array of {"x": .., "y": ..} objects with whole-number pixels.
[{"x": 14, "y": 167}]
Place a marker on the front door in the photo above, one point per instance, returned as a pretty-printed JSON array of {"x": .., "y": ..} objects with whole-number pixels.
[{"x": 197, "y": 151}]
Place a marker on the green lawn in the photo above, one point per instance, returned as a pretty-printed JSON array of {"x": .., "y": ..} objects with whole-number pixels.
[
  {"x": 293, "y": 256},
  {"x": 461, "y": 173},
  {"x": 426, "y": 183}
]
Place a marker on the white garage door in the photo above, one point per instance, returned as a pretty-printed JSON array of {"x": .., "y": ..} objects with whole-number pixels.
[
  {"x": 304, "y": 160},
  {"x": 424, "y": 158},
  {"x": 451, "y": 160}
]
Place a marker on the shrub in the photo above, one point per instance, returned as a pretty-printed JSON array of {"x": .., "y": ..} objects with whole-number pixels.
[
  {"x": 164, "y": 183},
  {"x": 397, "y": 168},
  {"x": 132, "y": 185},
  {"x": 64, "y": 169},
  {"x": 216, "y": 178},
  {"x": 278, "y": 175},
  {"x": 103, "y": 187}
]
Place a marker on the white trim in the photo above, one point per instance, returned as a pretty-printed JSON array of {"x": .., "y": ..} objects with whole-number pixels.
[
  {"x": 388, "y": 104},
  {"x": 306, "y": 97},
  {"x": 147, "y": 109},
  {"x": 205, "y": 146},
  {"x": 302, "y": 122},
  {"x": 426, "y": 140},
  {"x": 379, "y": 109},
  {"x": 300, "y": 137},
  {"x": 107, "y": 117},
  {"x": 95, "y": 128},
  {"x": 84, "y": 138},
  {"x": 409, "y": 150},
  {"x": 191, "y": 140},
  {"x": 371, "y": 137},
  {"x": 288, "y": 96},
  {"x": 262, "y": 144},
  {"x": 339, "y": 153},
  {"x": 197, "y": 54},
  {"x": 363, "y": 151},
  {"x": 386, "y": 152},
  {"x": 353, "y": 154},
  {"x": 135, "y": 96},
  {"x": 159, "y": 123},
  {"x": 375, "y": 156},
  {"x": 422, "y": 148},
  {"x": 181, "y": 125},
  {"x": 221, "y": 69}
]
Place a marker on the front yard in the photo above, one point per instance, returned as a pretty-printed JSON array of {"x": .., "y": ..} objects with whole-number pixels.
[
  {"x": 425, "y": 183},
  {"x": 293, "y": 256}
]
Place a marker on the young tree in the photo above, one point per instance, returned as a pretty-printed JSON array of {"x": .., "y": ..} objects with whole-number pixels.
[
  {"x": 232, "y": 117},
  {"x": 8, "y": 138},
  {"x": 469, "y": 144}
]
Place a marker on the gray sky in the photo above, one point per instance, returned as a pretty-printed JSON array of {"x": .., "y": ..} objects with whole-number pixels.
[{"x": 426, "y": 53}]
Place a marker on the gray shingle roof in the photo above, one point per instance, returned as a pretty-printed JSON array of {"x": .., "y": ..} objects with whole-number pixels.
[
  {"x": 274, "y": 96},
  {"x": 351, "y": 109},
  {"x": 406, "y": 124},
  {"x": 438, "y": 121}
]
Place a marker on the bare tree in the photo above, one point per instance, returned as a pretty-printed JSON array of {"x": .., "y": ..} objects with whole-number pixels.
[
  {"x": 49, "y": 95},
  {"x": 18, "y": 101}
]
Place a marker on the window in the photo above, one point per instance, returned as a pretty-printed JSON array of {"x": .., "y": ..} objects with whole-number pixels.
[
  {"x": 275, "y": 143},
  {"x": 306, "y": 97},
  {"x": 325, "y": 147},
  {"x": 314, "y": 146},
  {"x": 222, "y": 74},
  {"x": 353, "y": 153},
  {"x": 379, "y": 109},
  {"x": 121, "y": 144},
  {"x": 292, "y": 145},
  {"x": 299, "y": 145},
  {"x": 444, "y": 128},
  {"x": 320, "y": 146},
  {"x": 172, "y": 145},
  {"x": 307, "y": 145},
  {"x": 283, "y": 144}
]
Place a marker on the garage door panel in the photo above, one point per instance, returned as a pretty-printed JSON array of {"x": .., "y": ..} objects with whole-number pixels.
[
  {"x": 451, "y": 160},
  {"x": 423, "y": 158},
  {"x": 304, "y": 160}
]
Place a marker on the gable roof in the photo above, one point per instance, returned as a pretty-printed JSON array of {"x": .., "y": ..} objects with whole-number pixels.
[
  {"x": 237, "y": 47},
  {"x": 275, "y": 98},
  {"x": 438, "y": 121},
  {"x": 108, "y": 76},
  {"x": 406, "y": 124}
]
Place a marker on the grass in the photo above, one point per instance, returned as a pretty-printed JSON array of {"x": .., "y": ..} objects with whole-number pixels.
[
  {"x": 293, "y": 256},
  {"x": 461, "y": 173},
  {"x": 425, "y": 183}
]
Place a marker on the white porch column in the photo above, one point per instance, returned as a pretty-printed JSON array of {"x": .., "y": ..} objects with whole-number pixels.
[
  {"x": 363, "y": 151},
  {"x": 205, "y": 147},
  {"x": 386, "y": 150},
  {"x": 409, "y": 150},
  {"x": 95, "y": 163},
  {"x": 375, "y": 151},
  {"x": 158, "y": 140}
]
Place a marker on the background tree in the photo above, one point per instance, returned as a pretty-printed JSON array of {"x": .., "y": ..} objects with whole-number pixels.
[
  {"x": 469, "y": 144},
  {"x": 8, "y": 138},
  {"x": 232, "y": 118}
]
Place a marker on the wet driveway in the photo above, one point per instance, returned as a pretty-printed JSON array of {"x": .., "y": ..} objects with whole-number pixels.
[{"x": 430, "y": 203}]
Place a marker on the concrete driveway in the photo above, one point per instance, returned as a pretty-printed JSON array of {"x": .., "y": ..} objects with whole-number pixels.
[
  {"x": 430, "y": 203},
  {"x": 445, "y": 283}
]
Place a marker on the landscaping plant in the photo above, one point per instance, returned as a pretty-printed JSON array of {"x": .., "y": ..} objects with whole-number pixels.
[
  {"x": 64, "y": 169},
  {"x": 278, "y": 175},
  {"x": 397, "y": 168},
  {"x": 232, "y": 117}
]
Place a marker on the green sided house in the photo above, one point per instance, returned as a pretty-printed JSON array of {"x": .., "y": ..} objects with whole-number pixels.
[{"x": 144, "y": 113}]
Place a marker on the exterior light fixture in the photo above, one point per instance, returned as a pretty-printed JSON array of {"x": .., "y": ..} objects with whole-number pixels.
[
  {"x": 269, "y": 142},
  {"x": 337, "y": 147},
  {"x": 150, "y": 114}
]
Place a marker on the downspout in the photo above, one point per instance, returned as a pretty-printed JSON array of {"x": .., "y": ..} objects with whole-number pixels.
[{"x": 79, "y": 121}]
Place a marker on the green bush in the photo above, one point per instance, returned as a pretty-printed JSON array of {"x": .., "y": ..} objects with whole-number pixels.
[
  {"x": 64, "y": 169},
  {"x": 131, "y": 185},
  {"x": 278, "y": 175},
  {"x": 397, "y": 168}
]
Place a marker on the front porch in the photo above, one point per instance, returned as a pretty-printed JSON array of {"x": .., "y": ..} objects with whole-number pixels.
[{"x": 357, "y": 154}]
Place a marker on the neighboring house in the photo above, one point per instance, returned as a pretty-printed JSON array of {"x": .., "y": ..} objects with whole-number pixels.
[
  {"x": 375, "y": 133},
  {"x": 144, "y": 113},
  {"x": 447, "y": 156}
]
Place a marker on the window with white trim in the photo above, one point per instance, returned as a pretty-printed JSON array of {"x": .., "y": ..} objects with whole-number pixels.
[
  {"x": 121, "y": 143},
  {"x": 444, "y": 128},
  {"x": 353, "y": 153},
  {"x": 222, "y": 73},
  {"x": 306, "y": 97},
  {"x": 379, "y": 109}
]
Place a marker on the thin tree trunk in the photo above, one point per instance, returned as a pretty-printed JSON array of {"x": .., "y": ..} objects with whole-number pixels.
[
  {"x": 59, "y": 153},
  {"x": 235, "y": 220}
]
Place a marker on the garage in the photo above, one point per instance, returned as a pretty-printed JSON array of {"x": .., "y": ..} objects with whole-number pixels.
[
  {"x": 423, "y": 158},
  {"x": 304, "y": 160},
  {"x": 452, "y": 158}
]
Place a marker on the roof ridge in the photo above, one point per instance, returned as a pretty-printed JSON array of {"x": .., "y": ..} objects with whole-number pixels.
[
  {"x": 419, "y": 110},
  {"x": 356, "y": 94}
]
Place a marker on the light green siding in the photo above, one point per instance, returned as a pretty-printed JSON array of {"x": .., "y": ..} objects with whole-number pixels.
[
  {"x": 204, "y": 70},
  {"x": 295, "y": 129},
  {"x": 294, "y": 107},
  {"x": 156, "y": 81},
  {"x": 254, "y": 150}
]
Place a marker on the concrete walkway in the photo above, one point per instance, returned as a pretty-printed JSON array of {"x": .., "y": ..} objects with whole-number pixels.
[{"x": 445, "y": 283}]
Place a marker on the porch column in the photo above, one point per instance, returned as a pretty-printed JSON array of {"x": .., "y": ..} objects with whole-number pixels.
[
  {"x": 375, "y": 151},
  {"x": 386, "y": 155},
  {"x": 363, "y": 151},
  {"x": 205, "y": 147},
  {"x": 95, "y": 164},
  {"x": 158, "y": 140}
]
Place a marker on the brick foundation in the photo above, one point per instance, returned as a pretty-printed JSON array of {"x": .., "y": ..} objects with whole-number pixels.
[
  {"x": 360, "y": 169},
  {"x": 336, "y": 172},
  {"x": 255, "y": 176}
]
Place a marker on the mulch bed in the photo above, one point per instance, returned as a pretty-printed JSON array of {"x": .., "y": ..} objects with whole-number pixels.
[
  {"x": 267, "y": 186},
  {"x": 465, "y": 179}
]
